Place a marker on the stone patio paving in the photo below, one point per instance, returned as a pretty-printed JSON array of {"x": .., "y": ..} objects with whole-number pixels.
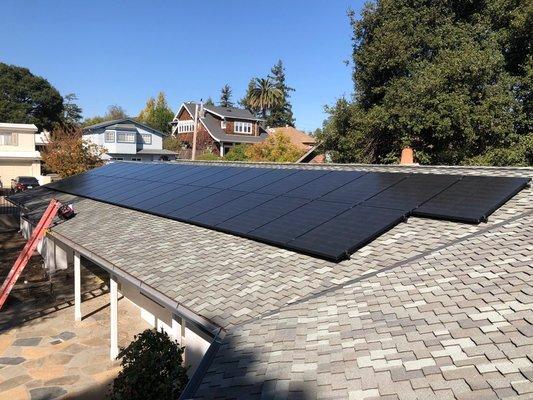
[{"x": 45, "y": 354}]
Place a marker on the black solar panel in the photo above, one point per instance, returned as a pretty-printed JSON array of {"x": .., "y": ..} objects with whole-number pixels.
[
  {"x": 324, "y": 213},
  {"x": 347, "y": 232},
  {"x": 471, "y": 199}
]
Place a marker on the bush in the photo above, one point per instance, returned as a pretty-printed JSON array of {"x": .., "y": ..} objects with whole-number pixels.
[
  {"x": 151, "y": 369},
  {"x": 238, "y": 153},
  {"x": 208, "y": 157}
]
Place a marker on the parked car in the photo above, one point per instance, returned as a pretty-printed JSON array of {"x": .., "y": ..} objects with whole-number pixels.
[{"x": 21, "y": 183}]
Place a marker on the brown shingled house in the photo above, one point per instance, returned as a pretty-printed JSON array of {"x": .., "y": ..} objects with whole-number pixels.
[
  {"x": 303, "y": 141},
  {"x": 219, "y": 128}
]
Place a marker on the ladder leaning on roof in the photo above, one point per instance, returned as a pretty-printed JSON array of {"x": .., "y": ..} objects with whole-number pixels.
[{"x": 28, "y": 250}]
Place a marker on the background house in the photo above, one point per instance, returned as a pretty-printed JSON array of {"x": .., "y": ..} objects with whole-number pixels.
[
  {"x": 219, "y": 128},
  {"x": 129, "y": 140},
  {"x": 303, "y": 141},
  {"x": 18, "y": 156}
]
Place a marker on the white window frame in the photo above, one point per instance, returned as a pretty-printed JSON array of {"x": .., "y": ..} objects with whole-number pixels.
[
  {"x": 186, "y": 126},
  {"x": 9, "y": 139},
  {"x": 109, "y": 136},
  {"x": 142, "y": 138},
  {"x": 129, "y": 137},
  {"x": 223, "y": 124},
  {"x": 242, "y": 127}
]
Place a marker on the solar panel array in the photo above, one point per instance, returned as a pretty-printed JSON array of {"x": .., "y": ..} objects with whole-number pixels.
[{"x": 324, "y": 213}]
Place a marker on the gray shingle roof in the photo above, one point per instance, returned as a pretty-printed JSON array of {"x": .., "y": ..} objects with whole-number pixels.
[
  {"x": 225, "y": 112},
  {"x": 122, "y": 124},
  {"x": 213, "y": 126},
  {"x": 431, "y": 309}
]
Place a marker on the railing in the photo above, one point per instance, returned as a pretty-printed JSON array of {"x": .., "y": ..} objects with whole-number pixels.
[{"x": 7, "y": 208}]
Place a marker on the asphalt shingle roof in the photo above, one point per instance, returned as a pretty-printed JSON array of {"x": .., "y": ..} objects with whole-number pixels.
[
  {"x": 431, "y": 309},
  {"x": 213, "y": 126}
]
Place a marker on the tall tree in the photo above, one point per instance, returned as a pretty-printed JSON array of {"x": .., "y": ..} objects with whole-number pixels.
[
  {"x": 26, "y": 98},
  {"x": 225, "y": 96},
  {"x": 71, "y": 111},
  {"x": 280, "y": 115},
  {"x": 113, "y": 112},
  {"x": 448, "y": 78},
  {"x": 157, "y": 113},
  {"x": 209, "y": 102},
  {"x": 263, "y": 95}
]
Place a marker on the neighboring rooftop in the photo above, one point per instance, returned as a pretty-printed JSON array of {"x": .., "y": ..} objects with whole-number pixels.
[
  {"x": 300, "y": 139},
  {"x": 213, "y": 127},
  {"x": 126, "y": 124},
  {"x": 222, "y": 112},
  {"x": 431, "y": 309}
]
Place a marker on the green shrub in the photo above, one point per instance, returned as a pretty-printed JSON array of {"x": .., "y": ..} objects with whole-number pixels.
[
  {"x": 208, "y": 157},
  {"x": 151, "y": 369},
  {"x": 237, "y": 153}
]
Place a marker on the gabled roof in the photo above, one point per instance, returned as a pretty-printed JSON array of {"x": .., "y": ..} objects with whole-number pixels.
[
  {"x": 431, "y": 309},
  {"x": 122, "y": 124},
  {"x": 213, "y": 127},
  {"x": 221, "y": 112},
  {"x": 301, "y": 139}
]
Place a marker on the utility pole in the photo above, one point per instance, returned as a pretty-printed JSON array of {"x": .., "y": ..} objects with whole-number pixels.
[{"x": 195, "y": 132}]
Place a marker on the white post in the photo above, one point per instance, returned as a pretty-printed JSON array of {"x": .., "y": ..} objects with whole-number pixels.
[
  {"x": 113, "y": 300},
  {"x": 183, "y": 340},
  {"x": 221, "y": 149},
  {"x": 77, "y": 287},
  {"x": 193, "y": 157}
]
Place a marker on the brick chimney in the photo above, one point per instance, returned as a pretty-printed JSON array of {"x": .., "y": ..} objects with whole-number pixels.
[{"x": 407, "y": 156}]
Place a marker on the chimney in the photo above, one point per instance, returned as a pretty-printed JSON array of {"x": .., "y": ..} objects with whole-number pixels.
[{"x": 407, "y": 156}]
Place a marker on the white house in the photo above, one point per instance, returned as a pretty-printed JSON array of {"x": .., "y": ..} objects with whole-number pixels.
[
  {"x": 18, "y": 156},
  {"x": 128, "y": 140}
]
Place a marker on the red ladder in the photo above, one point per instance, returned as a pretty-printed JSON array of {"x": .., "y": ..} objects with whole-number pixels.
[{"x": 28, "y": 250}]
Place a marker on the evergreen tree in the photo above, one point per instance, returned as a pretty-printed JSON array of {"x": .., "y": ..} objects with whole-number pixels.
[
  {"x": 71, "y": 111},
  {"x": 280, "y": 115},
  {"x": 225, "y": 96},
  {"x": 209, "y": 102},
  {"x": 157, "y": 113},
  {"x": 28, "y": 99},
  {"x": 451, "y": 79}
]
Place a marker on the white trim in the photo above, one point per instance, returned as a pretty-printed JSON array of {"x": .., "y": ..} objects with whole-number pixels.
[
  {"x": 113, "y": 323},
  {"x": 11, "y": 155},
  {"x": 77, "y": 287},
  {"x": 244, "y": 127},
  {"x": 31, "y": 128}
]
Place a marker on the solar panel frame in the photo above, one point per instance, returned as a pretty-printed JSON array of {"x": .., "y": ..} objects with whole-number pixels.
[{"x": 289, "y": 207}]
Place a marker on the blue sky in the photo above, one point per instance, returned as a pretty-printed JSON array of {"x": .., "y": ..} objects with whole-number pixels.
[{"x": 122, "y": 52}]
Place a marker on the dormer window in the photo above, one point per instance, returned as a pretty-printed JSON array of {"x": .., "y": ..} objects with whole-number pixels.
[
  {"x": 243, "y": 127},
  {"x": 223, "y": 124},
  {"x": 186, "y": 126}
]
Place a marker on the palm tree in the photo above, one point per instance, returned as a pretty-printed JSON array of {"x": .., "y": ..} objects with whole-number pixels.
[{"x": 263, "y": 95}]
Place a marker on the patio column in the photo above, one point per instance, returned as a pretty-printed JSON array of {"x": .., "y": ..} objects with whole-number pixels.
[
  {"x": 77, "y": 287},
  {"x": 113, "y": 300}
]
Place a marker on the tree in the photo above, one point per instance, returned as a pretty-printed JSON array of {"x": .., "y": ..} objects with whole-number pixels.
[
  {"x": 281, "y": 114},
  {"x": 209, "y": 102},
  {"x": 263, "y": 95},
  {"x": 245, "y": 101},
  {"x": 68, "y": 154},
  {"x": 447, "y": 78},
  {"x": 225, "y": 96},
  {"x": 276, "y": 148},
  {"x": 151, "y": 368},
  {"x": 26, "y": 98},
  {"x": 157, "y": 113},
  {"x": 72, "y": 113},
  {"x": 113, "y": 112}
]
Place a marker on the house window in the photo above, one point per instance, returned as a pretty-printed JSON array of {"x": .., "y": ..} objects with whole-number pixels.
[
  {"x": 136, "y": 159},
  {"x": 223, "y": 124},
  {"x": 110, "y": 136},
  {"x": 8, "y": 139},
  {"x": 186, "y": 126},
  {"x": 117, "y": 158},
  {"x": 243, "y": 127},
  {"x": 125, "y": 137},
  {"x": 145, "y": 138}
]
